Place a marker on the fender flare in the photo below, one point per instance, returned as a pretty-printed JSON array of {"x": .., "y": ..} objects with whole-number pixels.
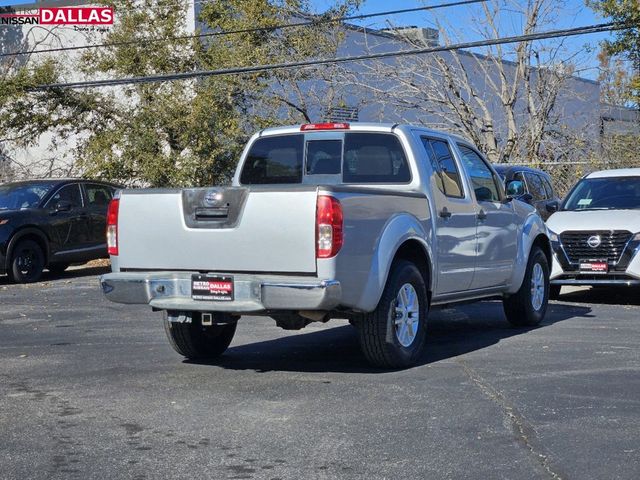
[
  {"x": 532, "y": 228},
  {"x": 23, "y": 232},
  {"x": 399, "y": 229}
]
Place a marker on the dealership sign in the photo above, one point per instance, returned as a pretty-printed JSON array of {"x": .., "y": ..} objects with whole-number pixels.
[{"x": 61, "y": 16}]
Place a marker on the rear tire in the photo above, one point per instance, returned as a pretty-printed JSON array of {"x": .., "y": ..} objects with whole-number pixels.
[
  {"x": 190, "y": 339},
  {"x": 27, "y": 262},
  {"x": 394, "y": 334},
  {"x": 528, "y": 306}
]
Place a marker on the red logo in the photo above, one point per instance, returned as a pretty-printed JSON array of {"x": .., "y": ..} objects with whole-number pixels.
[
  {"x": 76, "y": 16},
  {"x": 61, "y": 16}
]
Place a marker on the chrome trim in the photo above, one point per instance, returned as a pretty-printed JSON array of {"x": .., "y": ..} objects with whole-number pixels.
[{"x": 577, "y": 282}]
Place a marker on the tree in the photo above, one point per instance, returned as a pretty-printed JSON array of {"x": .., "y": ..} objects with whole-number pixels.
[
  {"x": 615, "y": 79},
  {"x": 170, "y": 133},
  {"x": 627, "y": 41},
  {"x": 503, "y": 98}
]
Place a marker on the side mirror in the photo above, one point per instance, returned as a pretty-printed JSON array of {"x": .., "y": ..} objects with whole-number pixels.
[
  {"x": 552, "y": 206},
  {"x": 515, "y": 188},
  {"x": 63, "y": 206}
]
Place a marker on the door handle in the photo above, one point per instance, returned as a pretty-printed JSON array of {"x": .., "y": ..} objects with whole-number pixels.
[
  {"x": 444, "y": 213},
  {"x": 482, "y": 215}
]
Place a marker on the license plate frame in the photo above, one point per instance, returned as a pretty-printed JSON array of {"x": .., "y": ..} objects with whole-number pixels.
[
  {"x": 594, "y": 266},
  {"x": 212, "y": 288}
]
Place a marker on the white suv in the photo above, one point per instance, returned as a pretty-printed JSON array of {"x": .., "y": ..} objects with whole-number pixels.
[{"x": 596, "y": 233}]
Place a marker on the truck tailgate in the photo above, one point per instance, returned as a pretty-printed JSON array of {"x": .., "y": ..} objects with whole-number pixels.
[{"x": 225, "y": 229}]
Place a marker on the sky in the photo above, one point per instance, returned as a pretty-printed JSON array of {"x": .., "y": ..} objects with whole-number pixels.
[{"x": 573, "y": 13}]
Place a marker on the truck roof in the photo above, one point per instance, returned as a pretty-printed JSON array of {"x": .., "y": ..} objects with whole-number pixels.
[{"x": 385, "y": 127}]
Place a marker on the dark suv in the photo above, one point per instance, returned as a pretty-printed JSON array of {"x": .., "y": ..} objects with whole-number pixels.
[
  {"x": 51, "y": 224},
  {"x": 530, "y": 185}
]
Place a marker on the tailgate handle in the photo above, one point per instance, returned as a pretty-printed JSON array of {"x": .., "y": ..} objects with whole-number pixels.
[{"x": 216, "y": 213}]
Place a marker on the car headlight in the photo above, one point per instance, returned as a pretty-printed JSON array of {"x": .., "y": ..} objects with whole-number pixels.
[
  {"x": 636, "y": 237},
  {"x": 553, "y": 236}
]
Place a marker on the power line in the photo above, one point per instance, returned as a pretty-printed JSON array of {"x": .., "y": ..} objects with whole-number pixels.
[
  {"x": 602, "y": 27},
  {"x": 320, "y": 21}
]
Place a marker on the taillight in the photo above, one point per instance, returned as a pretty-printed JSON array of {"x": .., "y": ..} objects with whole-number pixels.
[
  {"x": 324, "y": 126},
  {"x": 112, "y": 226},
  {"x": 329, "y": 221}
]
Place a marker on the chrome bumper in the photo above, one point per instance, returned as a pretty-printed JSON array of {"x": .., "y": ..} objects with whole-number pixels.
[{"x": 252, "y": 293}]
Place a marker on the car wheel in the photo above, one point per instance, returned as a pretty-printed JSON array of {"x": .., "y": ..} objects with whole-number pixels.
[
  {"x": 191, "y": 339},
  {"x": 27, "y": 262},
  {"x": 57, "y": 268},
  {"x": 528, "y": 306},
  {"x": 394, "y": 334}
]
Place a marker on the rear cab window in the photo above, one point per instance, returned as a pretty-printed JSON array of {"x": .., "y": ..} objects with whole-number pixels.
[{"x": 350, "y": 157}]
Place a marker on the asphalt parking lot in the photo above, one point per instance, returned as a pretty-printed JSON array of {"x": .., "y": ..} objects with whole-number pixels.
[{"x": 91, "y": 389}]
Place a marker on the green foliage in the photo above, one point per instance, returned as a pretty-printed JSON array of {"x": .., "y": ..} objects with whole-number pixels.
[
  {"x": 627, "y": 42},
  {"x": 172, "y": 133}
]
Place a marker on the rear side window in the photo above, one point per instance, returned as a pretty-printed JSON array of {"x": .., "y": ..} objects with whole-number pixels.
[
  {"x": 485, "y": 185},
  {"x": 443, "y": 163},
  {"x": 374, "y": 158},
  {"x": 98, "y": 195},
  {"x": 276, "y": 159}
]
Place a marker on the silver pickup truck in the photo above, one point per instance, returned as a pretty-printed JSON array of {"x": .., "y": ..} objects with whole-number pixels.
[{"x": 375, "y": 223}]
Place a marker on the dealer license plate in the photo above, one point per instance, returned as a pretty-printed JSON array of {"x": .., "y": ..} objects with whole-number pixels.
[
  {"x": 594, "y": 266},
  {"x": 215, "y": 288}
]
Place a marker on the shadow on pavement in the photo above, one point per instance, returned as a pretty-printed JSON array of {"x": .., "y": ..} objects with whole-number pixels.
[
  {"x": 73, "y": 272},
  {"x": 452, "y": 332},
  {"x": 603, "y": 295}
]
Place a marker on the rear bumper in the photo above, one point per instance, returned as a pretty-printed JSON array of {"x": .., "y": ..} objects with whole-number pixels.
[{"x": 253, "y": 293}]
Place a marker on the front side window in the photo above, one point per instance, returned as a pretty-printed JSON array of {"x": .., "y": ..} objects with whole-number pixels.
[
  {"x": 276, "y": 159},
  {"x": 17, "y": 196},
  {"x": 536, "y": 187},
  {"x": 484, "y": 183},
  {"x": 68, "y": 193},
  {"x": 548, "y": 188}
]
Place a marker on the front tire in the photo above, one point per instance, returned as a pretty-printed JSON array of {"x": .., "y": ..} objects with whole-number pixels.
[
  {"x": 528, "y": 306},
  {"x": 190, "y": 339},
  {"x": 27, "y": 262},
  {"x": 394, "y": 334}
]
